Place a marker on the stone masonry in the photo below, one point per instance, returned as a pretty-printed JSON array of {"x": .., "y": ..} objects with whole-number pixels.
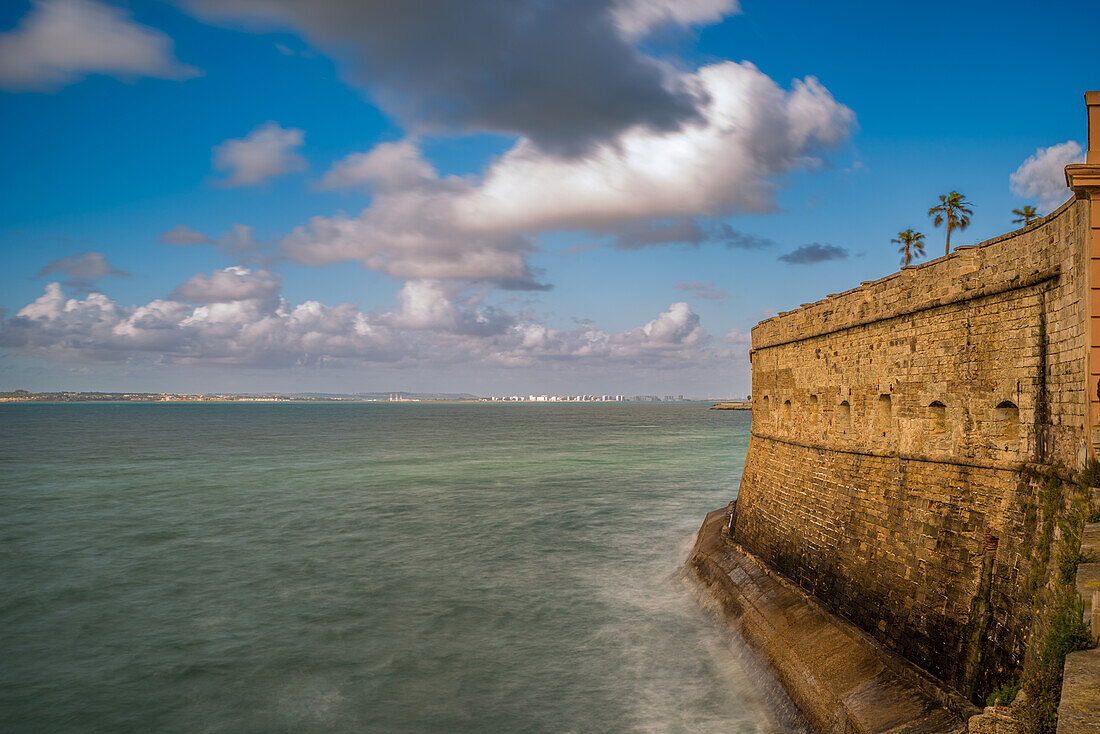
[{"x": 893, "y": 425}]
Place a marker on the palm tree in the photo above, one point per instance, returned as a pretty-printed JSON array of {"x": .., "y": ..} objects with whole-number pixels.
[
  {"x": 955, "y": 210},
  {"x": 912, "y": 246},
  {"x": 1025, "y": 215}
]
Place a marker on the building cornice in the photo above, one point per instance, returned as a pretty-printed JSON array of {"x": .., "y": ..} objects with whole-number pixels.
[{"x": 1083, "y": 178}]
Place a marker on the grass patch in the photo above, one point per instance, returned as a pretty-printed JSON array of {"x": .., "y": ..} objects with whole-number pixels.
[
  {"x": 1090, "y": 475},
  {"x": 1059, "y": 627},
  {"x": 1003, "y": 695},
  {"x": 1064, "y": 633}
]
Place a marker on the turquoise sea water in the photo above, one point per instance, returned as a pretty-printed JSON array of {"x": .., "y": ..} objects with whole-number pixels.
[{"x": 362, "y": 567}]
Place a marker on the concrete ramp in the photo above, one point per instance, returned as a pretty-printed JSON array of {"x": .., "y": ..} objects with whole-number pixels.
[{"x": 842, "y": 680}]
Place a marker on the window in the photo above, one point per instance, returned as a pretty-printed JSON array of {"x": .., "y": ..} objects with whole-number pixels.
[
  {"x": 937, "y": 418},
  {"x": 787, "y": 411},
  {"x": 813, "y": 409},
  {"x": 884, "y": 413},
  {"x": 1007, "y": 420},
  {"x": 765, "y": 406}
]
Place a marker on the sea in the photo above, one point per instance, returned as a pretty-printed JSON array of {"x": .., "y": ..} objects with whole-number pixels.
[{"x": 365, "y": 567}]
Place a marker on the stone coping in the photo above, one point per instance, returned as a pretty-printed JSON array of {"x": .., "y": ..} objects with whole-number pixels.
[{"x": 1079, "y": 709}]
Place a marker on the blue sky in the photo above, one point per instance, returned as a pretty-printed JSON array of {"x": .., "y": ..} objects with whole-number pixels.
[{"x": 587, "y": 196}]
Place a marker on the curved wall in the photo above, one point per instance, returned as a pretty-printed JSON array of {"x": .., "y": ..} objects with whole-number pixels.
[{"x": 890, "y": 426}]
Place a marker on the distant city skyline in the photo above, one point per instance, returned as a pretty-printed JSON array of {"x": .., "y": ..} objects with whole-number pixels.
[
  {"x": 263, "y": 195},
  {"x": 21, "y": 395}
]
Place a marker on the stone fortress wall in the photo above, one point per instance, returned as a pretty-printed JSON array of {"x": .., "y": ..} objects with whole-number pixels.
[
  {"x": 893, "y": 426},
  {"x": 890, "y": 424}
]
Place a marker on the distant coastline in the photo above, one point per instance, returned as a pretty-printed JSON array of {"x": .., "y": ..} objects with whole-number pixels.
[
  {"x": 25, "y": 396},
  {"x": 66, "y": 396}
]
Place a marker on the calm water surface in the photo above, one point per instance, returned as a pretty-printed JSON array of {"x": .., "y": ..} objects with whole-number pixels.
[{"x": 362, "y": 567}]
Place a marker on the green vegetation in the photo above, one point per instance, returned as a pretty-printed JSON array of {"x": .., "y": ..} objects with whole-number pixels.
[
  {"x": 1090, "y": 475},
  {"x": 1025, "y": 215},
  {"x": 953, "y": 209},
  {"x": 1063, "y": 632},
  {"x": 1049, "y": 495},
  {"x": 912, "y": 245},
  {"x": 1058, "y": 627},
  {"x": 1003, "y": 695}
]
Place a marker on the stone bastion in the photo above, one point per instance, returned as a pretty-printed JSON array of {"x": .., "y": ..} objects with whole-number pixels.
[{"x": 898, "y": 429}]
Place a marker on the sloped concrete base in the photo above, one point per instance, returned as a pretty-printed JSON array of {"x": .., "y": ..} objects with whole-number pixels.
[{"x": 842, "y": 680}]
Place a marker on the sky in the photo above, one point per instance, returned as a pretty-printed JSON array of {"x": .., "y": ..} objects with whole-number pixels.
[{"x": 493, "y": 196}]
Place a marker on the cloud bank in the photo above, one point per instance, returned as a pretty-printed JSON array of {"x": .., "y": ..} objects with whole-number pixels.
[
  {"x": 643, "y": 188},
  {"x": 750, "y": 130},
  {"x": 60, "y": 42},
  {"x": 1042, "y": 176},
  {"x": 229, "y": 285},
  {"x": 498, "y": 65},
  {"x": 236, "y": 317}
]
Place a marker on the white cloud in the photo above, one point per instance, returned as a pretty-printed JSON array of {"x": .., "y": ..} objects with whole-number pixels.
[
  {"x": 1042, "y": 176},
  {"x": 237, "y": 243},
  {"x": 669, "y": 340},
  {"x": 266, "y": 152},
  {"x": 421, "y": 226},
  {"x": 429, "y": 304},
  {"x": 736, "y": 336},
  {"x": 424, "y": 304},
  {"x": 234, "y": 283},
  {"x": 410, "y": 230},
  {"x": 388, "y": 167},
  {"x": 752, "y": 130},
  {"x": 411, "y": 234},
  {"x": 244, "y": 322},
  {"x": 61, "y": 41},
  {"x": 636, "y": 18},
  {"x": 703, "y": 290},
  {"x": 82, "y": 269},
  {"x": 183, "y": 236}
]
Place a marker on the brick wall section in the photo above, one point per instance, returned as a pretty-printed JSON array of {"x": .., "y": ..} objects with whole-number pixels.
[{"x": 881, "y": 504}]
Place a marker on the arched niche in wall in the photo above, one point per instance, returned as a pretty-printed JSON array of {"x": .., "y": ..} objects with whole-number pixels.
[
  {"x": 786, "y": 411},
  {"x": 811, "y": 413},
  {"x": 937, "y": 418},
  {"x": 1006, "y": 417},
  {"x": 844, "y": 415},
  {"x": 765, "y": 406},
  {"x": 884, "y": 412}
]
